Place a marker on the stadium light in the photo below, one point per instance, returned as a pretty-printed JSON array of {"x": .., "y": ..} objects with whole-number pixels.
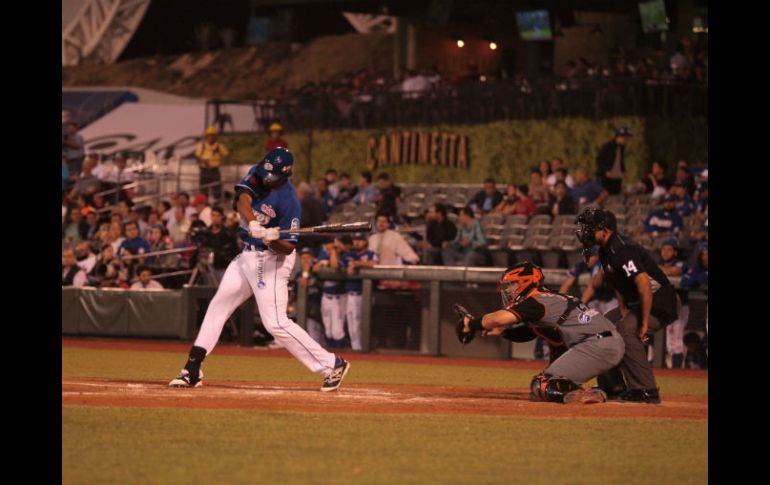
[
  {"x": 492, "y": 45},
  {"x": 460, "y": 43}
]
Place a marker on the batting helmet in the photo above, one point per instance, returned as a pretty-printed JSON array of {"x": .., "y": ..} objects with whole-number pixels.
[
  {"x": 518, "y": 281},
  {"x": 277, "y": 165}
]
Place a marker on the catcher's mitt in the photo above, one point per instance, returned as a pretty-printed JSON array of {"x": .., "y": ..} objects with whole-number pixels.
[{"x": 464, "y": 334}]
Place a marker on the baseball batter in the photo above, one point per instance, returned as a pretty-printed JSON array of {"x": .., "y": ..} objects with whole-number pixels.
[
  {"x": 593, "y": 345},
  {"x": 267, "y": 202}
]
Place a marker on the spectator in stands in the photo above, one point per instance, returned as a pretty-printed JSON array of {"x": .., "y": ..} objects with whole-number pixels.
[
  {"x": 610, "y": 162},
  {"x": 86, "y": 258},
  {"x": 145, "y": 282},
  {"x": 104, "y": 168},
  {"x": 366, "y": 191},
  {"x": 179, "y": 226},
  {"x": 73, "y": 147},
  {"x": 159, "y": 240},
  {"x": 312, "y": 214},
  {"x": 135, "y": 214},
  {"x": 684, "y": 177},
  {"x": 133, "y": 244},
  {"x": 331, "y": 183},
  {"x": 275, "y": 140},
  {"x": 587, "y": 190},
  {"x": 322, "y": 194},
  {"x": 183, "y": 201},
  {"x": 346, "y": 191},
  {"x": 671, "y": 265},
  {"x": 440, "y": 232},
  {"x": 545, "y": 171},
  {"x": 506, "y": 204},
  {"x": 92, "y": 222},
  {"x": 523, "y": 204},
  {"x": 86, "y": 183},
  {"x": 389, "y": 246},
  {"x": 486, "y": 199},
  {"x": 415, "y": 85},
  {"x": 538, "y": 190},
  {"x": 557, "y": 165},
  {"x": 76, "y": 228},
  {"x": 685, "y": 206},
  {"x": 210, "y": 154},
  {"x": 702, "y": 201},
  {"x": 469, "y": 243},
  {"x": 388, "y": 196},
  {"x": 71, "y": 273},
  {"x": 65, "y": 174},
  {"x": 201, "y": 206},
  {"x": 105, "y": 271},
  {"x": 666, "y": 221},
  {"x": 560, "y": 202},
  {"x": 698, "y": 275},
  {"x": 223, "y": 242},
  {"x": 656, "y": 183}
]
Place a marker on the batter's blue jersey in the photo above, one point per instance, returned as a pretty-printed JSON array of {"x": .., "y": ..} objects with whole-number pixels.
[{"x": 279, "y": 208}]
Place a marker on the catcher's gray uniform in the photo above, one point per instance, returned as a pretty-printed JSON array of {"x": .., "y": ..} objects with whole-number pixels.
[{"x": 594, "y": 346}]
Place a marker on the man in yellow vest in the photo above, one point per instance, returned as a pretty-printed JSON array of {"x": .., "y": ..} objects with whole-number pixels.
[{"x": 210, "y": 154}]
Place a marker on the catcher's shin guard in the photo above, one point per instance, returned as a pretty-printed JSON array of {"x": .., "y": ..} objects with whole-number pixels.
[{"x": 549, "y": 388}]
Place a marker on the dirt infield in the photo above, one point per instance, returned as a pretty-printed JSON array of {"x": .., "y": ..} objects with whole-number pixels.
[{"x": 363, "y": 398}]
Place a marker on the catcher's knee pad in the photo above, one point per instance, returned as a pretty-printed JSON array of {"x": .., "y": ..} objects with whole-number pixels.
[{"x": 549, "y": 388}]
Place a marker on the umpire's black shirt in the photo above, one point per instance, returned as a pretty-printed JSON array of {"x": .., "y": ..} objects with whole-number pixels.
[{"x": 622, "y": 259}]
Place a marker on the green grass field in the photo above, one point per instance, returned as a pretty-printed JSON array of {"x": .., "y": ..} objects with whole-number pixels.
[{"x": 114, "y": 445}]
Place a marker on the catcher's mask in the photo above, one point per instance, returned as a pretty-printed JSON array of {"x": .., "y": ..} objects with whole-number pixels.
[
  {"x": 518, "y": 281},
  {"x": 589, "y": 221}
]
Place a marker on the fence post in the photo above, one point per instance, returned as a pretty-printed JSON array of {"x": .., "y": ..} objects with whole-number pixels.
[
  {"x": 434, "y": 325},
  {"x": 366, "y": 314}
]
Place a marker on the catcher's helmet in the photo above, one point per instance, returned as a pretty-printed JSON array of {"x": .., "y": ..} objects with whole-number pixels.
[
  {"x": 518, "y": 281},
  {"x": 276, "y": 166}
]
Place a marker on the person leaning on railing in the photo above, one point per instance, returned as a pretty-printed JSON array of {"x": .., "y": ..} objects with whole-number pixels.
[{"x": 210, "y": 155}]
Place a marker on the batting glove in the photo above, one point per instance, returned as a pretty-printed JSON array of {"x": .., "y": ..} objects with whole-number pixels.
[
  {"x": 271, "y": 235},
  {"x": 256, "y": 230}
]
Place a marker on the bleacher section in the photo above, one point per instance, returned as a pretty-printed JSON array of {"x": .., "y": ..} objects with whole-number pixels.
[
  {"x": 548, "y": 240},
  {"x": 88, "y": 106}
]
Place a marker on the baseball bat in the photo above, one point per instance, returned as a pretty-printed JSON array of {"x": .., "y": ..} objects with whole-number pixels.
[{"x": 332, "y": 229}]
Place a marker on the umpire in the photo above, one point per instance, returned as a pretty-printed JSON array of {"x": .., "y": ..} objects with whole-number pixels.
[{"x": 647, "y": 301}]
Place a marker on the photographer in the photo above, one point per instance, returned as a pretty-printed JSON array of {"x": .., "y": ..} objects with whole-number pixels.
[{"x": 220, "y": 241}]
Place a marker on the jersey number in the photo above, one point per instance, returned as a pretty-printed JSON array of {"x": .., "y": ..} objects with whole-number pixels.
[{"x": 629, "y": 268}]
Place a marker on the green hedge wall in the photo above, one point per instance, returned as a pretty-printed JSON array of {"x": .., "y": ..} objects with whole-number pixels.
[{"x": 504, "y": 150}]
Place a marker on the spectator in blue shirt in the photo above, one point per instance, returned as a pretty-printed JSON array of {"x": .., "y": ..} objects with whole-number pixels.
[
  {"x": 685, "y": 206},
  {"x": 586, "y": 190},
  {"x": 664, "y": 222},
  {"x": 366, "y": 191},
  {"x": 134, "y": 244},
  {"x": 698, "y": 275},
  {"x": 469, "y": 244},
  {"x": 486, "y": 199}
]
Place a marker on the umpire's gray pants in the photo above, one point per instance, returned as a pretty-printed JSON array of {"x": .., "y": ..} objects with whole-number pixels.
[
  {"x": 635, "y": 367},
  {"x": 588, "y": 359}
]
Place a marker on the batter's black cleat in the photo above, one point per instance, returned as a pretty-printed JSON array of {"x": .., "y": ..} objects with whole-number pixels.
[
  {"x": 585, "y": 396},
  {"x": 184, "y": 379},
  {"x": 332, "y": 381},
  {"x": 648, "y": 396}
]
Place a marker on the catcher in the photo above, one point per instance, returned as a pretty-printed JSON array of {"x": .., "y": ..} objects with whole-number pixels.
[{"x": 590, "y": 342}]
